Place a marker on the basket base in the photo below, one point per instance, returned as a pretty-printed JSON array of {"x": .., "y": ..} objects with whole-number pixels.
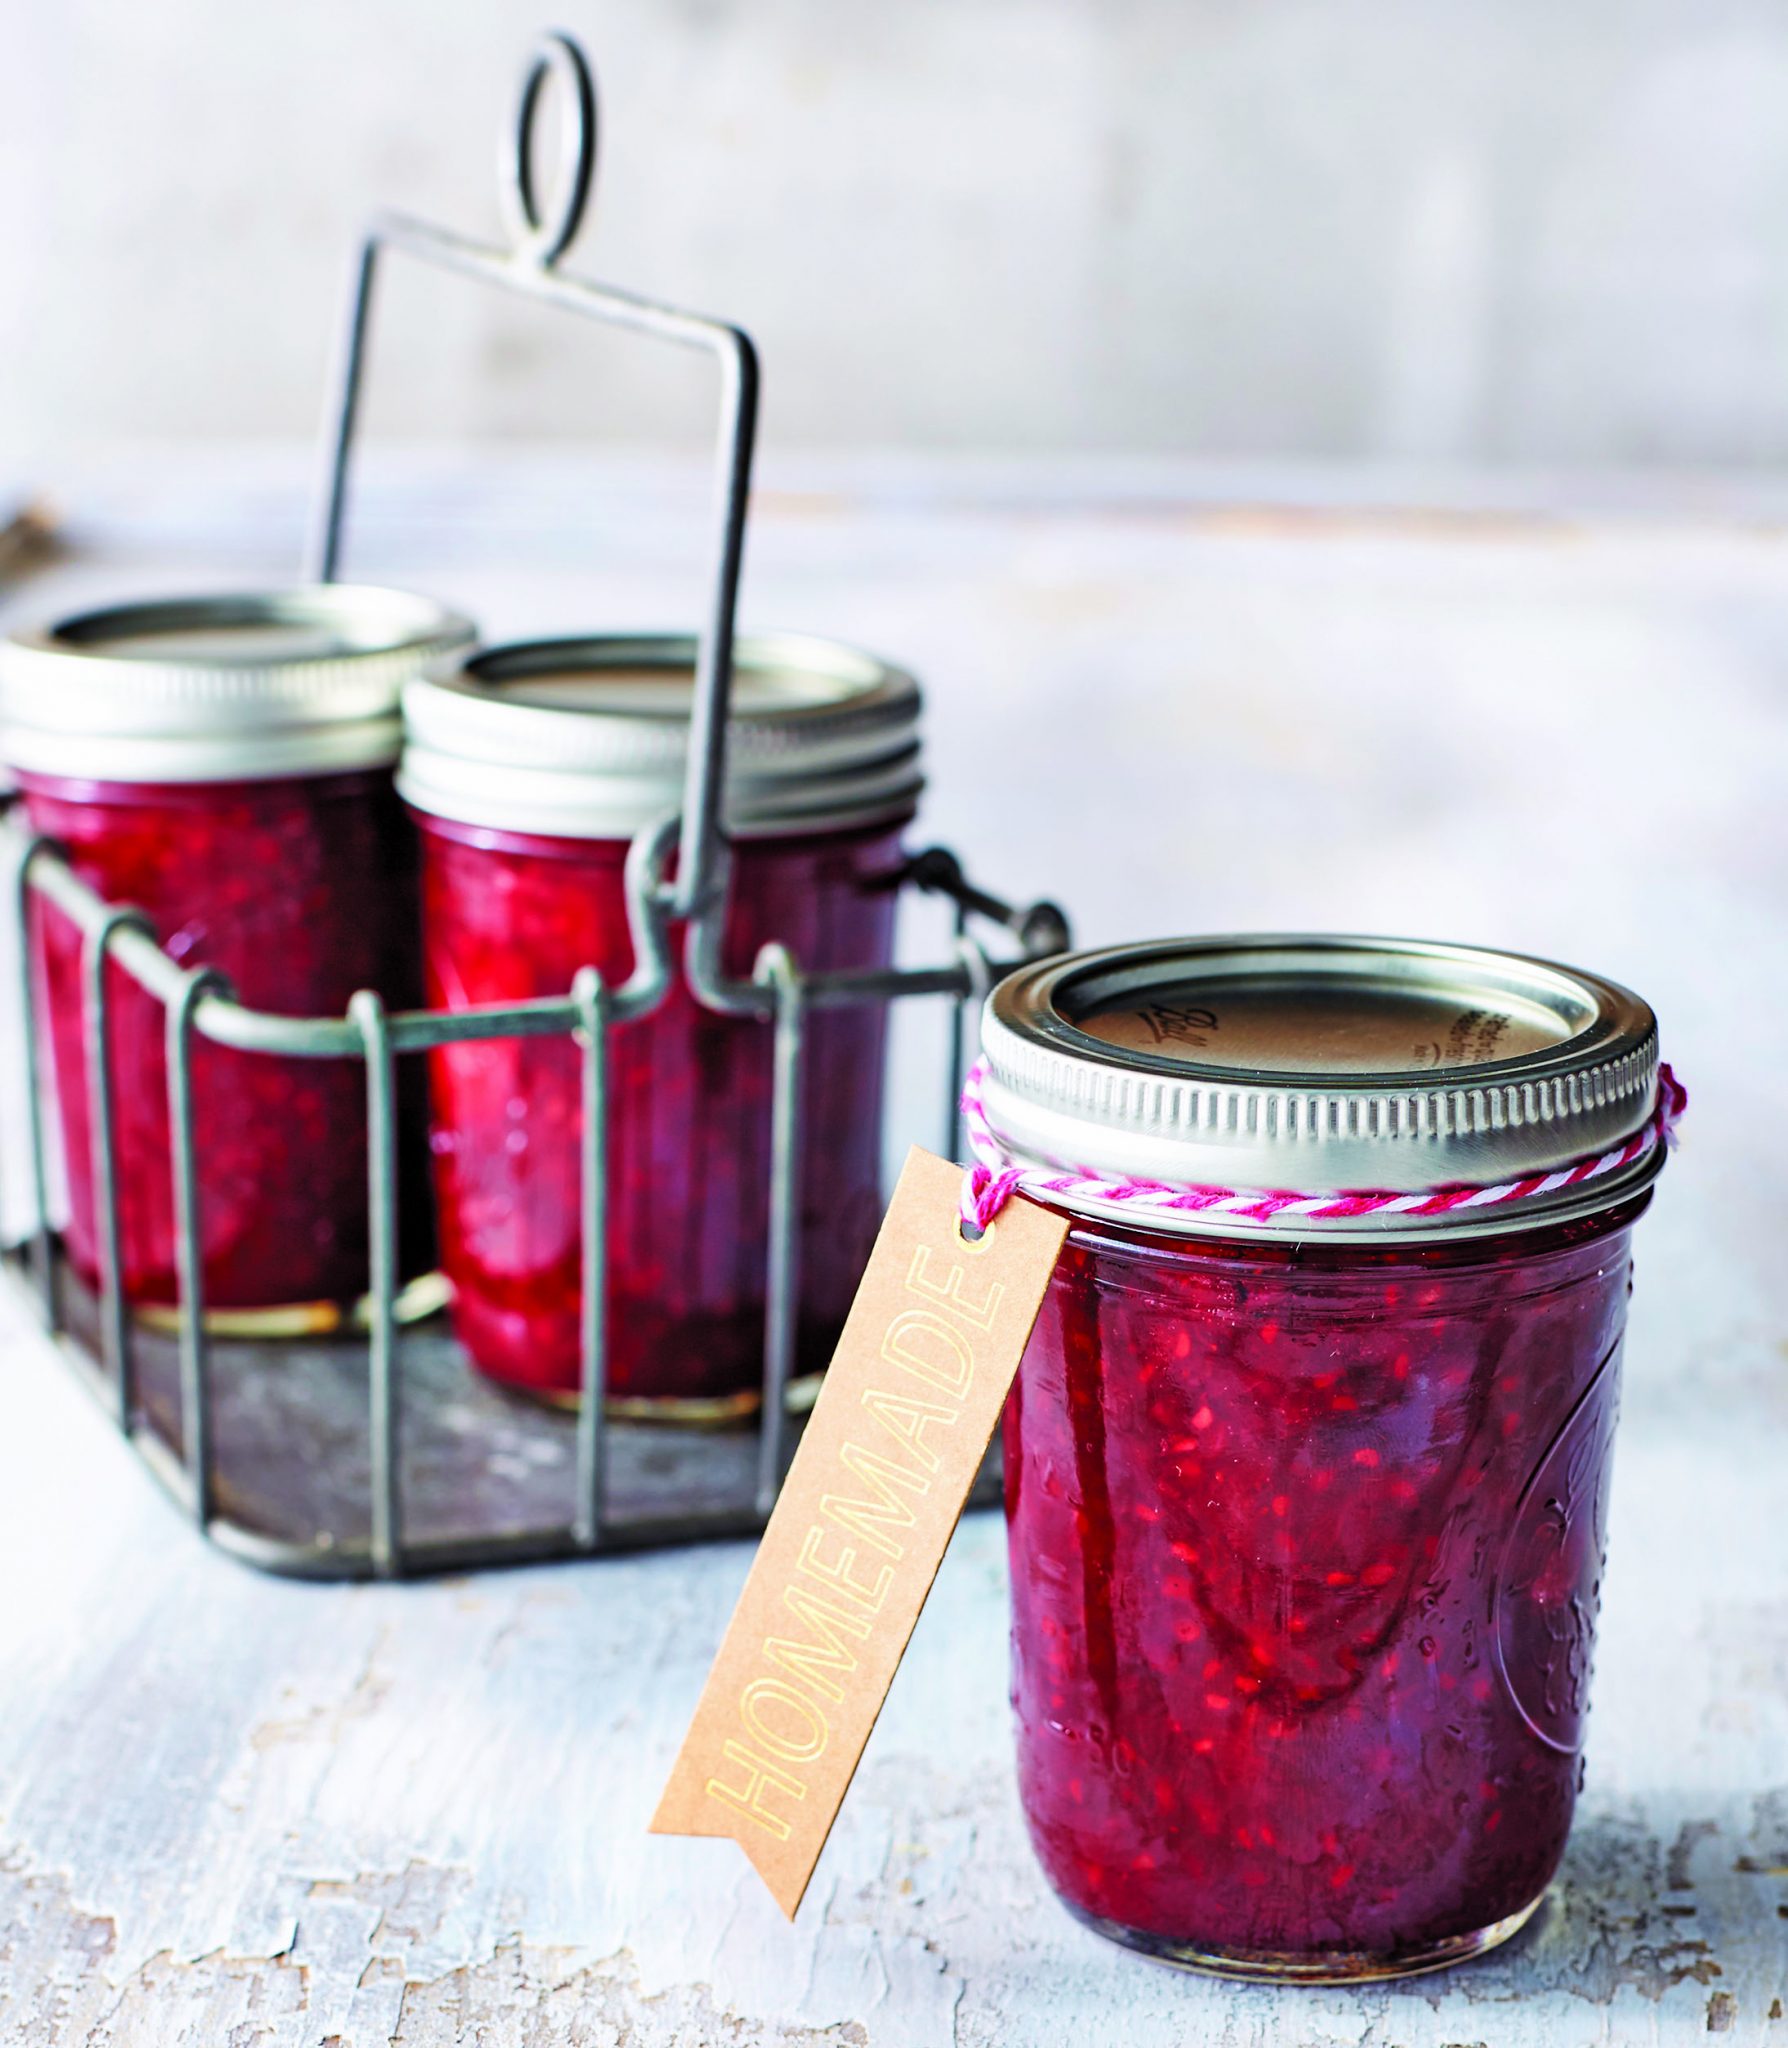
[{"x": 486, "y": 1478}]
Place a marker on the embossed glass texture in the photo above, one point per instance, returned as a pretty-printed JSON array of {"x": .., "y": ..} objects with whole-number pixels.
[{"x": 1306, "y": 1550}]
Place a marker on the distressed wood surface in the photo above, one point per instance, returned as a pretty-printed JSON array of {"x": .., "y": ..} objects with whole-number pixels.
[{"x": 239, "y": 1811}]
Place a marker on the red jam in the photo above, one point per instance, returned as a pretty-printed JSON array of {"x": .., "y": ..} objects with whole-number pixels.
[
  {"x": 300, "y": 891},
  {"x": 1306, "y": 1548},
  {"x": 509, "y": 915}
]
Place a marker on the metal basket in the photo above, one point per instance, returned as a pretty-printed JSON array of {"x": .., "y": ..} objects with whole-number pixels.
[{"x": 336, "y": 1460}]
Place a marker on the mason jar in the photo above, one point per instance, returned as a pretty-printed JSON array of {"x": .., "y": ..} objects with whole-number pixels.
[
  {"x": 530, "y": 773},
  {"x": 1307, "y": 1460},
  {"x": 224, "y": 764}
]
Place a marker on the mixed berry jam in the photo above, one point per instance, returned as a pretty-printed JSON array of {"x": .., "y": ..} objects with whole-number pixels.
[
  {"x": 1306, "y": 1549},
  {"x": 509, "y": 915},
  {"x": 300, "y": 891}
]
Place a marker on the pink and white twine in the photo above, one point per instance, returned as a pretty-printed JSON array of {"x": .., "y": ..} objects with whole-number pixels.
[{"x": 993, "y": 1177}]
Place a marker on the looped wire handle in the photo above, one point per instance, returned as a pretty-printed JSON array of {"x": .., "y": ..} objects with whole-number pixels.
[
  {"x": 543, "y": 237},
  {"x": 528, "y": 267}
]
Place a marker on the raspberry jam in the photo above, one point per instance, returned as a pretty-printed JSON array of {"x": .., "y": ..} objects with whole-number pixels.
[
  {"x": 267, "y": 883},
  {"x": 530, "y": 774},
  {"x": 1306, "y": 1506},
  {"x": 223, "y": 764},
  {"x": 1306, "y": 1550},
  {"x": 509, "y": 916}
]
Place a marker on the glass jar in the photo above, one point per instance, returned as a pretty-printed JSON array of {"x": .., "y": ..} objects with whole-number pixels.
[
  {"x": 224, "y": 765},
  {"x": 530, "y": 774},
  {"x": 1306, "y": 1505}
]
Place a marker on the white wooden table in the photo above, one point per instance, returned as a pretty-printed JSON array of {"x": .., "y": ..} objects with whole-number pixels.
[{"x": 240, "y": 1811}]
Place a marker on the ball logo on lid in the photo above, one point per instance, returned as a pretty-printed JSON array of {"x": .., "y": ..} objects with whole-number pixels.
[
  {"x": 1345, "y": 1029},
  {"x": 1166, "y": 1026}
]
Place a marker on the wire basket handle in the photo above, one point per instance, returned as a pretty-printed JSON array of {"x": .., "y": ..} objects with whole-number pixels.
[
  {"x": 542, "y": 238},
  {"x": 529, "y": 268}
]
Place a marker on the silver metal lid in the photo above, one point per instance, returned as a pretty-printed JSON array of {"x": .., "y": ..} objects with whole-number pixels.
[
  {"x": 588, "y": 738},
  {"x": 1322, "y": 1065},
  {"x": 249, "y": 685}
]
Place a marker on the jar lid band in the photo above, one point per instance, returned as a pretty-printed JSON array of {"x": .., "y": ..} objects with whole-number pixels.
[
  {"x": 995, "y": 1177},
  {"x": 1274, "y": 1085},
  {"x": 244, "y": 685},
  {"x": 589, "y": 737}
]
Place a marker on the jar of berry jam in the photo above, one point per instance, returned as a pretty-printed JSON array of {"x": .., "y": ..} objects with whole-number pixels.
[
  {"x": 1306, "y": 1490},
  {"x": 530, "y": 774},
  {"x": 224, "y": 764}
]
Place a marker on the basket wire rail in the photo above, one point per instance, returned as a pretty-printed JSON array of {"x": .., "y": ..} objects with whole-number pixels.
[{"x": 677, "y": 873}]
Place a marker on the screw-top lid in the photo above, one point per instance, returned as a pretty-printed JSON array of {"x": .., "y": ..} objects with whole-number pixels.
[
  {"x": 245, "y": 686},
  {"x": 589, "y": 738},
  {"x": 1324, "y": 1065}
]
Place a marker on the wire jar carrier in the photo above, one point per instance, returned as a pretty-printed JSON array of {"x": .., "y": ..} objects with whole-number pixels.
[{"x": 325, "y": 1458}]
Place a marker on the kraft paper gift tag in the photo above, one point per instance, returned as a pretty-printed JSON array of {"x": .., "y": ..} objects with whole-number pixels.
[{"x": 903, "y": 1420}]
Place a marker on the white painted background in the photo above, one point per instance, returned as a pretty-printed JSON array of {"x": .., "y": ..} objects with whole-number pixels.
[{"x": 1453, "y": 230}]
